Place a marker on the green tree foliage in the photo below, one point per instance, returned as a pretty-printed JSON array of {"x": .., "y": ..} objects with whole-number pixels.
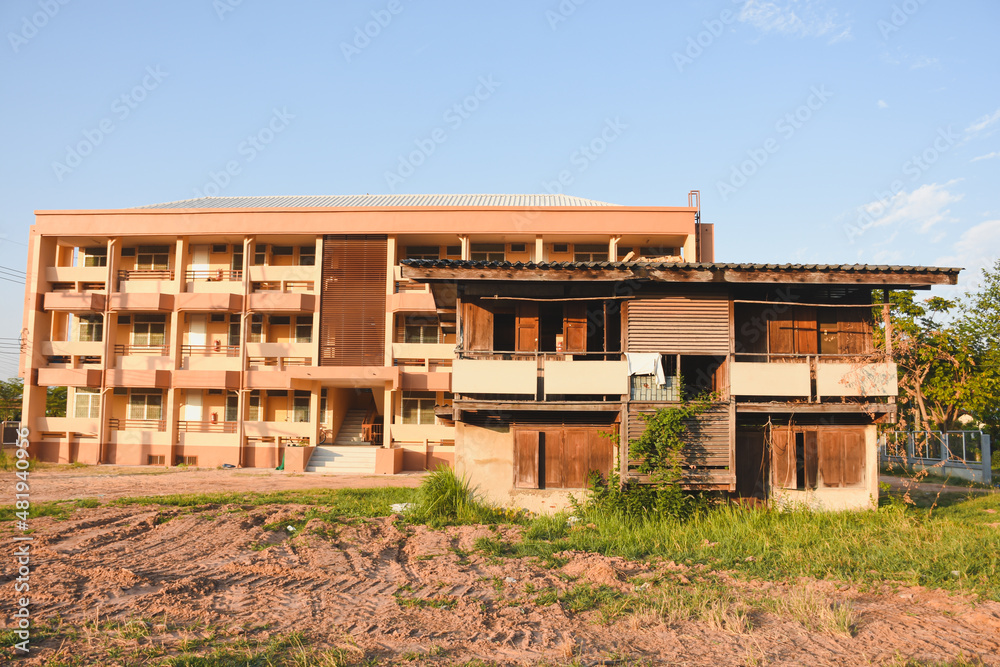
[
  {"x": 55, "y": 402},
  {"x": 948, "y": 353},
  {"x": 10, "y": 399}
]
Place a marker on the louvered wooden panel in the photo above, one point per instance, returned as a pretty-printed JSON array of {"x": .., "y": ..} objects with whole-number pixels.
[
  {"x": 679, "y": 324},
  {"x": 352, "y": 302},
  {"x": 708, "y": 448}
]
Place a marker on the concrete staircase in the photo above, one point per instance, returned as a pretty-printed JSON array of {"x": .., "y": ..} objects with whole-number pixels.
[{"x": 349, "y": 454}]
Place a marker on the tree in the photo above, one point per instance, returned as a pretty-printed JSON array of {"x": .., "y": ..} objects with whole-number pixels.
[
  {"x": 980, "y": 323},
  {"x": 55, "y": 402},
  {"x": 10, "y": 399}
]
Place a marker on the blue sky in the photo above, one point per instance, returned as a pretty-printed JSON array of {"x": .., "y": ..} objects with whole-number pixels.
[{"x": 816, "y": 130}]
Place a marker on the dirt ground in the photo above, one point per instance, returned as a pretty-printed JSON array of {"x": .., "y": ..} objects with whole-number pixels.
[
  {"x": 397, "y": 594},
  {"x": 109, "y": 482}
]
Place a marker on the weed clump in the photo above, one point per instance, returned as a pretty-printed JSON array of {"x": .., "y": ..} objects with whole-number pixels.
[{"x": 445, "y": 499}]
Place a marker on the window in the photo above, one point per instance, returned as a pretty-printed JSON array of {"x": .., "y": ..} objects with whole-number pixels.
[
  {"x": 260, "y": 254},
  {"x": 322, "y": 407},
  {"x": 560, "y": 247},
  {"x": 91, "y": 328},
  {"x": 237, "y": 264},
  {"x": 149, "y": 330},
  {"x": 256, "y": 328},
  {"x": 658, "y": 251},
  {"x": 124, "y": 319},
  {"x": 217, "y": 317},
  {"x": 623, "y": 251},
  {"x": 307, "y": 255},
  {"x": 128, "y": 252},
  {"x": 234, "y": 329},
  {"x": 87, "y": 404},
  {"x": 418, "y": 407},
  {"x": 253, "y": 413},
  {"x": 232, "y": 407},
  {"x": 423, "y": 252},
  {"x": 583, "y": 252},
  {"x": 488, "y": 252},
  {"x": 145, "y": 404},
  {"x": 453, "y": 252},
  {"x": 155, "y": 459},
  {"x": 300, "y": 406},
  {"x": 518, "y": 247},
  {"x": 303, "y": 329},
  {"x": 95, "y": 256},
  {"x": 829, "y": 338},
  {"x": 219, "y": 248},
  {"x": 152, "y": 258},
  {"x": 281, "y": 251},
  {"x": 420, "y": 330}
]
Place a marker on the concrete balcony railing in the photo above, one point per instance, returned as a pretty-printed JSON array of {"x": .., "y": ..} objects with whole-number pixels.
[
  {"x": 559, "y": 377},
  {"x": 73, "y": 274},
  {"x": 283, "y": 274},
  {"x": 481, "y": 376},
  {"x": 282, "y": 302},
  {"x": 67, "y": 424},
  {"x": 75, "y": 302},
  {"x": 207, "y": 379},
  {"x": 842, "y": 379},
  {"x": 261, "y": 429},
  {"x": 770, "y": 379},
  {"x": 145, "y": 301},
  {"x": 425, "y": 351},
  {"x": 281, "y": 350},
  {"x": 72, "y": 348},
  {"x": 69, "y": 377},
  {"x": 586, "y": 377},
  {"x": 218, "y": 300}
]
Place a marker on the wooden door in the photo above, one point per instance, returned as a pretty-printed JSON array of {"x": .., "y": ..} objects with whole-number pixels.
[
  {"x": 575, "y": 327},
  {"x": 783, "y": 458},
  {"x": 527, "y": 327},
  {"x": 526, "y": 447}
]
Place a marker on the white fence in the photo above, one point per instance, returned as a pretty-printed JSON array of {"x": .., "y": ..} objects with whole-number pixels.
[{"x": 963, "y": 454}]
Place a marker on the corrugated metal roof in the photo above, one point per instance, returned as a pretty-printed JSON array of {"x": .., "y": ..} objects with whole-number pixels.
[
  {"x": 679, "y": 266},
  {"x": 378, "y": 201}
]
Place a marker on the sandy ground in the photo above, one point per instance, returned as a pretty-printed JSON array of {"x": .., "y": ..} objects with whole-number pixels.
[
  {"x": 109, "y": 482},
  {"x": 398, "y": 594}
]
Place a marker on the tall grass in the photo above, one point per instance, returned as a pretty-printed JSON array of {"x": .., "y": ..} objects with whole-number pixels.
[
  {"x": 953, "y": 547},
  {"x": 444, "y": 498}
]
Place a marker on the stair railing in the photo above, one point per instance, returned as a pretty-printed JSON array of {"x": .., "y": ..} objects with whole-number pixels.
[{"x": 371, "y": 427}]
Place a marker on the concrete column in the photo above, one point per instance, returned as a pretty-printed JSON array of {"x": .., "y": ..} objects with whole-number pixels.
[
  {"x": 539, "y": 249},
  {"x": 171, "y": 412},
  {"x": 387, "y": 397},
  {"x": 314, "y": 397},
  {"x": 466, "y": 247},
  {"x": 613, "y": 248},
  {"x": 181, "y": 263}
]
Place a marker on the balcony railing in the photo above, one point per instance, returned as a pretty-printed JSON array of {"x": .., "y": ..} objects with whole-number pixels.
[
  {"x": 213, "y": 274},
  {"x": 504, "y": 355},
  {"x": 146, "y": 274},
  {"x": 116, "y": 424},
  {"x": 211, "y": 350},
  {"x": 154, "y": 350},
  {"x": 206, "y": 427}
]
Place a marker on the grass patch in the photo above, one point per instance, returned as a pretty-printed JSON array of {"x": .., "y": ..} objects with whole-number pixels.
[
  {"x": 951, "y": 547},
  {"x": 335, "y": 502}
]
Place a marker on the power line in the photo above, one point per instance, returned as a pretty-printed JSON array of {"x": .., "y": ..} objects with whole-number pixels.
[
  {"x": 16, "y": 282},
  {"x": 12, "y": 270}
]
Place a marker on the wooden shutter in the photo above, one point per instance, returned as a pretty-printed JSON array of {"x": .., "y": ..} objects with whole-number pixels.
[
  {"x": 806, "y": 333},
  {"x": 750, "y": 463},
  {"x": 575, "y": 327},
  {"x": 781, "y": 333},
  {"x": 602, "y": 455},
  {"x": 576, "y": 458},
  {"x": 854, "y": 456},
  {"x": 477, "y": 326},
  {"x": 831, "y": 456},
  {"x": 552, "y": 446},
  {"x": 783, "y": 458},
  {"x": 352, "y": 301},
  {"x": 679, "y": 323},
  {"x": 526, "y": 459},
  {"x": 527, "y": 327}
]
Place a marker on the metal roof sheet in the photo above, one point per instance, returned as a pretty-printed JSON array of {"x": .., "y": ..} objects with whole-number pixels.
[
  {"x": 662, "y": 266},
  {"x": 378, "y": 201}
]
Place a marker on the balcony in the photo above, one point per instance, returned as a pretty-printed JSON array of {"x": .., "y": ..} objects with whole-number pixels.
[
  {"x": 280, "y": 350},
  {"x": 72, "y": 348},
  {"x": 69, "y": 377},
  {"x": 76, "y": 274},
  {"x": 75, "y": 302},
  {"x": 143, "y": 357},
  {"x": 143, "y": 301},
  {"x": 477, "y": 376},
  {"x": 411, "y": 298},
  {"x": 66, "y": 425},
  {"x": 282, "y": 302},
  {"x": 206, "y": 427},
  {"x": 426, "y": 351},
  {"x": 421, "y": 381},
  {"x": 586, "y": 377},
  {"x": 210, "y": 357},
  {"x": 283, "y": 274},
  {"x": 207, "y": 379},
  {"x": 770, "y": 379},
  {"x": 143, "y": 281},
  {"x": 842, "y": 379},
  {"x": 220, "y": 300},
  {"x": 260, "y": 429},
  {"x": 116, "y": 424},
  {"x": 142, "y": 378}
]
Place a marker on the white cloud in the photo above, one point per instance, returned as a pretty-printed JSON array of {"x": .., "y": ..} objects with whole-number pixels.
[
  {"x": 983, "y": 123},
  {"x": 882, "y": 104},
  {"x": 976, "y": 249},
  {"x": 988, "y": 156},
  {"x": 925, "y": 61},
  {"x": 921, "y": 209},
  {"x": 797, "y": 18}
]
